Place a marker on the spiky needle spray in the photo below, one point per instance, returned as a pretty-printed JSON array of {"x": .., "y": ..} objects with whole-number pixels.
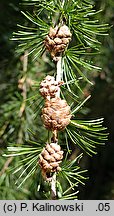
[
  {"x": 56, "y": 113},
  {"x": 63, "y": 21}
]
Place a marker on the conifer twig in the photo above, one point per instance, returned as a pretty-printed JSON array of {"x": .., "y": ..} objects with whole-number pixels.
[
  {"x": 58, "y": 79},
  {"x": 53, "y": 187},
  {"x": 59, "y": 72},
  {"x": 6, "y": 165},
  {"x": 23, "y": 83},
  {"x": 25, "y": 64}
]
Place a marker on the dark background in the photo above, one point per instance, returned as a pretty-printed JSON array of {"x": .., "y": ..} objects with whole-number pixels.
[{"x": 100, "y": 167}]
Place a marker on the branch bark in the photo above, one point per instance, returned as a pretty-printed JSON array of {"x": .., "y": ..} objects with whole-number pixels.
[
  {"x": 53, "y": 187},
  {"x": 23, "y": 82},
  {"x": 6, "y": 165},
  {"x": 58, "y": 78}
]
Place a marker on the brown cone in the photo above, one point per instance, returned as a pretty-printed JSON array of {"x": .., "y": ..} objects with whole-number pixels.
[
  {"x": 49, "y": 87},
  {"x": 57, "y": 40},
  {"x": 56, "y": 114},
  {"x": 50, "y": 159}
]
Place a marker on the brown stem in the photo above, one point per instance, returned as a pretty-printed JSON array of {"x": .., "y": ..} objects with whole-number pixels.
[
  {"x": 54, "y": 138},
  {"x": 24, "y": 94},
  {"x": 23, "y": 84},
  {"x": 25, "y": 61},
  {"x": 6, "y": 165}
]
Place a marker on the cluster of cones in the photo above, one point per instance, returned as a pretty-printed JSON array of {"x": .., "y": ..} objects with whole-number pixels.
[
  {"x": 56, "y": 113},
  {"x": 56, "y": 116}
]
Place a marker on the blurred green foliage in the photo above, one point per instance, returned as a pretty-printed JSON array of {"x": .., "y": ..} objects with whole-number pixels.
[
  {"x": 101, "y": 167},
  {"x": 13, "y": 124}
]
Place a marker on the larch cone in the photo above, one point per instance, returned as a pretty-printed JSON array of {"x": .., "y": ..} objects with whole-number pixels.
[
  {"x": 49, "y": 87},
  {"x": 57, "y": 40},
  {"x": 56, "y": 114},
  {"x": 49, "y": 160}
]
